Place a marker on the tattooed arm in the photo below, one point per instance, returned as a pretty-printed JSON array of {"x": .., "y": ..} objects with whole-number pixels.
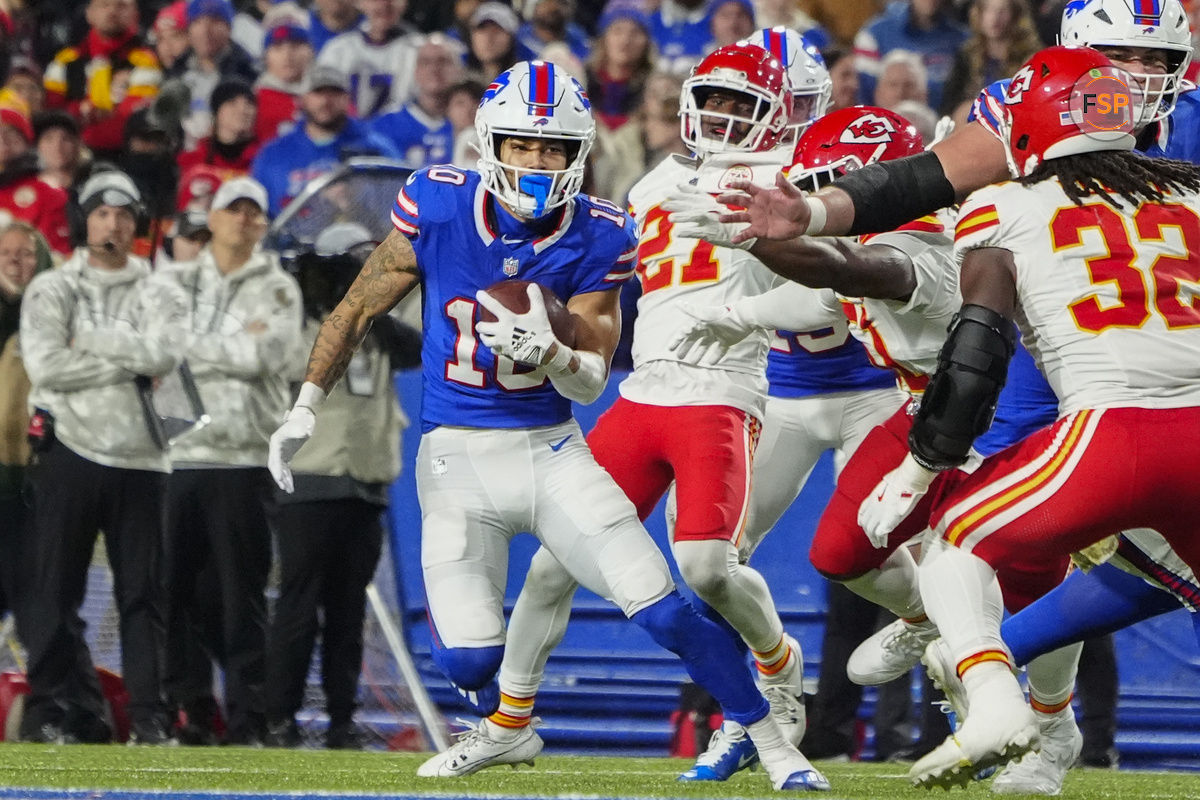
[{"x": 388, "y": 275}]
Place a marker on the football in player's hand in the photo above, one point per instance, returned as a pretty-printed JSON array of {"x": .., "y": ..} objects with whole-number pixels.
[{"x": 513, "y": 295}]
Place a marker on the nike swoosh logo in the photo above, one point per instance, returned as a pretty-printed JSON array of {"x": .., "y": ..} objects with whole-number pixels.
[
  {"x": 507, "y": 240},
  {"x": 746, "y": 759},
  {"x": 558, "y": 446}
]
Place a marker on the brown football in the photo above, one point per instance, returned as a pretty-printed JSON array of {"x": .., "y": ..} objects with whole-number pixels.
[{"x": 512, "y": 294}]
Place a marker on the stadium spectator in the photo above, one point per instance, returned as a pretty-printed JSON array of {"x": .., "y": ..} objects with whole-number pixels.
[
  {"x": 103, "y": 79},
  {"x": 459, "y": 26},
  {"x": 247, "y": 29},
  {"x": 1002, "y": 37},
  {"x": 197, "y": 187},
  {"x": 680, "y": 30},
  {"x": 287, "y": 56},
  {"x": 244, "y": 331},
  {"x": 378, "y": 57},
  {"x": 25, "y": 78},
  {"x": 620, "y": 63},
  {"x": 420, "y": 131},
  {"x": 94, "y": 333},
  {"x": 464, "y": 100},
  {"x": 23, "y": 194},
  {"x": 330, "y": 18},
  {"x": 844, "y": 74},
  {"x": 23, "y": 254},
  {"x": 327, "y": 136},
  {"x": 623, "y": 155},
  {"x": 186, "y": 237},
  {"x": 169, "y": 34},
  {"x": 925, "y": 27},
  {"x": 772, "y": 13},
  {"x": 60, "y": 153},
  {"x": 152, "y": 141},
  {"x": 492, "y": 44},
  {"x": 328, "y": 531},
  {"x": 901, "y": 77},
  {"x": 730, "y": 21},
  {"x": 841, "y": 18},
  {"x": 549, "y": 21},
  {"x": 233, "y": 143},
  {"x": 212, "y": 56}
]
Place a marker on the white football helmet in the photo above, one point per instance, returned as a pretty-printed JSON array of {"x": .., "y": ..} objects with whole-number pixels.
[
  {"x": 534, "y": 100},
  {"x": 812, "y": 88},
  {"x": 1136, "y": 23}
]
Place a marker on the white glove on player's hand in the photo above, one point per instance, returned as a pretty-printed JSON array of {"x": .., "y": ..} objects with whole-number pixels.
[
  {"x": 525, "y": 338},
  {"x": 706, "y": 340},
  {"x": 696, "y": 214},
  {"x": 296, "y": 429},
  {"x": 893, "y": 499}
]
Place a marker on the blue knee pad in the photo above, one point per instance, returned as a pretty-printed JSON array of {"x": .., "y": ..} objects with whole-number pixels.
[
  {"x": 472, "y": 670},
  {"x": 709, "y": 654}
]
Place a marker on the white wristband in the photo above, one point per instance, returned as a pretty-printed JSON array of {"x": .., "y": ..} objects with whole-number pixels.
[
  {"x": 816, "y": 217},
  {"x": 561, "y": 361},
  {"x": 311, "y": 396},
  {"x": 915, "y": 475}
]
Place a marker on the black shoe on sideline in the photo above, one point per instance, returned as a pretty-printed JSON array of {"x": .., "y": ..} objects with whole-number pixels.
[
  {"x": 343, "y": 736},
  {"x": 283, "y": 734}
]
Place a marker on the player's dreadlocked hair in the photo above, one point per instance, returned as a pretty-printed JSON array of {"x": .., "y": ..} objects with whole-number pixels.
[{"x": 1133, "y": 176}]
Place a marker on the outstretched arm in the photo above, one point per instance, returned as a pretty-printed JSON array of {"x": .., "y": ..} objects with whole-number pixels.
[
  {"x": 877, "y": 198},
  {"x": 388, "y": 275},
  {"x": 849, "y": 268}
]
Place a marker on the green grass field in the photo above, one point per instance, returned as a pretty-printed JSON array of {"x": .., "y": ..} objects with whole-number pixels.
[{"x": 291, "y": 771}]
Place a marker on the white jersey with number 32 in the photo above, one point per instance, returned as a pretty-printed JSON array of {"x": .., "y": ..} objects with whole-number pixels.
[{"x": 1109, "y": 300}]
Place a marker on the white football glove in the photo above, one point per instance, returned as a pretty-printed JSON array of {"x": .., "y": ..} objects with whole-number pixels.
[
  {"x": 296, "y": 429},
  {"x": 893, "y": 499},
  {"x": 706, "y": 340},
  {"x": 696, "y": 214},
  {"x": 525, "y": 338}
]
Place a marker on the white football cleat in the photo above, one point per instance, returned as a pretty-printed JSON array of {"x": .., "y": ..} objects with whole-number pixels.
[
  {"x": 785, "y": 692},
  {"x": 1001, "y": 728},
  {"x": 789, "y": 770},
  {"x": 729, "y": 751},
  {"x": 890, "y": 652},
  {"x": 1043, "y": 772},
  {"x": 480, "y": 746},
  {"x": 943, "y": 671}
]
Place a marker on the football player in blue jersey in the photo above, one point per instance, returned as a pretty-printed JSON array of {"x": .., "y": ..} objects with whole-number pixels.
[{"x": 500, "y": 451}]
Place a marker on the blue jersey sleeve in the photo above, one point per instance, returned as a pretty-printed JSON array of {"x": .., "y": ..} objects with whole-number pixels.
[
  {"x": 612, "y": 253},
  {"x": 406, "y": 209},
  {"x": 986, "y": 108}
]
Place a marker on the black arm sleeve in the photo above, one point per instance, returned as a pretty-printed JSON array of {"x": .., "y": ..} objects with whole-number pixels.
[
  {"x": 961, "y": 398},
  {"x": 888, "y": 194}
]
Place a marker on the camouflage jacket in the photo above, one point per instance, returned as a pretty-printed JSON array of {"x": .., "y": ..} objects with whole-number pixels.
[
  {"x": 245, "y": 343},
  {"x": 86, "y": 333}
]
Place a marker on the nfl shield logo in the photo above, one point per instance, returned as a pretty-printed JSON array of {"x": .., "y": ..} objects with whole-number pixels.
[{"x": 510, "y": 266}]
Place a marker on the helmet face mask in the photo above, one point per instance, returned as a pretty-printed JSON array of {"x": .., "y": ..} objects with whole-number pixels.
[
  {"x": 849, "y": 139},
  {"x": 812, "y": 88},
  {"x": 1139, "y": 25},
  {"x": 534, "y": 100},
  {"x": 743, "y": 72}
]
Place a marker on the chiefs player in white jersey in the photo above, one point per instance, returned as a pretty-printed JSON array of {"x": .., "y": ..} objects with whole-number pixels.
[
  {"x": 694, "y": 425},
  {"x": 898, "y": 290},
  {"x": 1091, "y": 250}
]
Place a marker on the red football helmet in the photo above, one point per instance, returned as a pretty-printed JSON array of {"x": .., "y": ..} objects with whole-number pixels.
[
  {"x": 1064, "y": 101},
  {"x": 849, "y": 139},
  {"x": 748, "y": 70}
]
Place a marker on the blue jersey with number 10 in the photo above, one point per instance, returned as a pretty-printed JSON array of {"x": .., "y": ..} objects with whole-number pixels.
[{"x": 464, "y": 241}]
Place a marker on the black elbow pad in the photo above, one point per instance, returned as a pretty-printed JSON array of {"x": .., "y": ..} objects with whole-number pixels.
[
  {"x": 960, "y": 400},
  {"x": 888, "y": 194}
]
